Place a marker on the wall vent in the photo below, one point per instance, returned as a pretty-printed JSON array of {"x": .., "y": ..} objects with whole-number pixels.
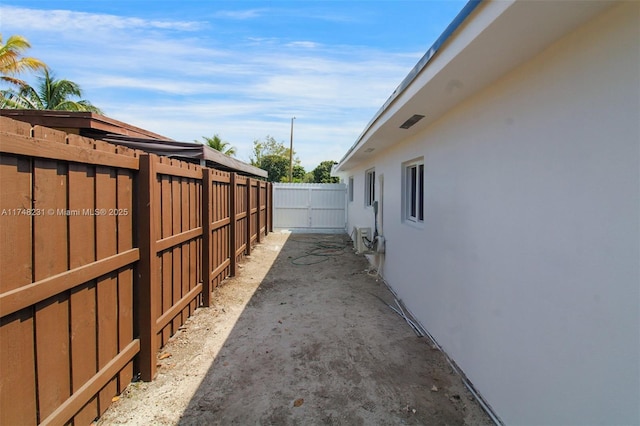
[{"x": 411, "y": 121}]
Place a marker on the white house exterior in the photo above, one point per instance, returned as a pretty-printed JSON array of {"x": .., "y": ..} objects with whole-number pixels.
[{"x": 524, "y": 263}]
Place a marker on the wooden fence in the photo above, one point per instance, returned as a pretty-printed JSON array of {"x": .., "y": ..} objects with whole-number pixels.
[{"x": 104, "y": 253}]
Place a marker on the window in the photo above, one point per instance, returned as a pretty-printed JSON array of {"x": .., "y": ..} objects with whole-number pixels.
[
  {"x": 413, "y": 191},
  {"x": 350, "y": 189},
  {"x": 369, "y": 187}
]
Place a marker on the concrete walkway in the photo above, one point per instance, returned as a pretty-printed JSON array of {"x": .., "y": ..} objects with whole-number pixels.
[{"x": 302, "y": 335}]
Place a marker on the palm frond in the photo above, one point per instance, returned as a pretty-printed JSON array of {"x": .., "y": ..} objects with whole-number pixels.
[
  {"x": 218, "y": 144},
  {"x": 11, "y": 60},
  {"x": 50, "y": 94}
]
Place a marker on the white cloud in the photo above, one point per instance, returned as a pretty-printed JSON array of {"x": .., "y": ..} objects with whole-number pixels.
[
  {"x": 67, "y": 21},
  {"x": 164, "y": 85},
  {"x": 303, "y": 44},
  {"x": 240, "y": 14},
  {"x": 179, "y": 79}
]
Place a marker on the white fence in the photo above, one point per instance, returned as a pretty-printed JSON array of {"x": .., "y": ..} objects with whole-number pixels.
[{"x": 310, "y": 207}]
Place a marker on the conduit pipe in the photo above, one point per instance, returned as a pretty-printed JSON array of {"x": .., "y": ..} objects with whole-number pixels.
[{"x": 421, "y": 331}]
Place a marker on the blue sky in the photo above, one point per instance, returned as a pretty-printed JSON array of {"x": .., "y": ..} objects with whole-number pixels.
[{"x": 242, "y": 69}]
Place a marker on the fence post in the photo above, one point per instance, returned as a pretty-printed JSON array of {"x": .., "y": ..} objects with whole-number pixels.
[
  {"x": 248, "y": 223},
  {"x": 270, "y": 204},
  {"x": 206, "y": 236},
  {"x": 258, "y": 231},
  {"x": 148, "y": 297},
  {"x": 266, "y": 208},
  {"x": 232, "y": 224}
]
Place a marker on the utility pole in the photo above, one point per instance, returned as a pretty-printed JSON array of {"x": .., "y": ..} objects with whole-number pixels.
[{"x": 291, "y": 153}]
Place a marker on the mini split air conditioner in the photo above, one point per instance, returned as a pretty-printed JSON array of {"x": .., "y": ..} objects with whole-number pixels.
[
  {"x": 363, "y": 243},
  {"x": 359, "y": 239}
]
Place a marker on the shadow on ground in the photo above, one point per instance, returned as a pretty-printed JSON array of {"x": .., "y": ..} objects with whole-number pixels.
[{"x": 316, "y": 344}]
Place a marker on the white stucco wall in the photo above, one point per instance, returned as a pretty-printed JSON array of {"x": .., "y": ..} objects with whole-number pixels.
[{"x": 527, "y": 268}]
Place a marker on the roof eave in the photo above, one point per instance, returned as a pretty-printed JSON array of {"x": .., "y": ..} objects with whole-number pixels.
[
  {"x": 210, "y": 154},
  {"x": 79, "y": 120},
  {"x": 507, "y": 32},
  {"x": 415, "y": 71}
]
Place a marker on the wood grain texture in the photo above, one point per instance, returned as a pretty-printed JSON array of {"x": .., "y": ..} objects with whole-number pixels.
[
  {"x": 52, "y": 315},
  {"x": 17, "y": 352},
  {"x": 107, "y": 286},
  {"x": 82, "y": 251},
  {"x": 124, "y": 194}
]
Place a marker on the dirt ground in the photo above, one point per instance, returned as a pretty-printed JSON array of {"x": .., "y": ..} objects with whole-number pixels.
[{"x": 299, "y": 338}]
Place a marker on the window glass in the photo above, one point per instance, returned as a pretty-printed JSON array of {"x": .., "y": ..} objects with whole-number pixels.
[
  {"x": 370, "y": 187},
  {"x": 351, "y": 189},
  {"x": 413, "y": 191}
]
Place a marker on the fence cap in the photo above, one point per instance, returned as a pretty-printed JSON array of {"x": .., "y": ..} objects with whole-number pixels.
[
  {"x": 309, "y": 185},
  {"x": 100, "y": 127}
]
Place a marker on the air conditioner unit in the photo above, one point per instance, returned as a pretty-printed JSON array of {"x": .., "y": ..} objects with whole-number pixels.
[{"x": 359, "y": 235}]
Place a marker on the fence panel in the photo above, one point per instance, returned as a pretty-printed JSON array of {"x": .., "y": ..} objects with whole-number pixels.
[
  {"x": 107, "y": 286},
  {"x": 242, "y": 218},
  {"x": 309, "y": 207},
  {"x": 90, "y": 279},
  {"x": 125, "y": 193},
  {"x": 50, "y": 258},
  {"x": 171, "y": 243},
  {"x": 263, "y": 190},
  {"x": 253, "y": 211},
  {"x": 64, "y": 276},
  {"x": 217, "y": 240},
  {"x": 220, "y": 239},
  {"x": 178, "y": 290},
  {"x": 83, "y": 298},
  {"x": 17, "y": 358}
]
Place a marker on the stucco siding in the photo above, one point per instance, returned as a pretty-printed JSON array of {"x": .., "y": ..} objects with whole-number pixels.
[{"x": 526, "y": 269}]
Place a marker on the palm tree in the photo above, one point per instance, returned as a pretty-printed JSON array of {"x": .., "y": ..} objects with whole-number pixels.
[
  {"x": 13, "y": 63},
  {"x": 51, "y": 94},
  {"x": 219, "y": 145}
]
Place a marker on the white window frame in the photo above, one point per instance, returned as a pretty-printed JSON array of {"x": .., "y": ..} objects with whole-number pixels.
[
  {"x": 350, "y": 189},
  {"x": 369, "y": 187},
  {"x": 413, "y": 191}
]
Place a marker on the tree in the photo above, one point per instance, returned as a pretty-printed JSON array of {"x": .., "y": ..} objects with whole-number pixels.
[
  {"x": 219, "y": 145},
  {"x": 269, "y": 146},
  {"x": 273, "y": 156},
  {"x": 276, "y": 166},
  {"x": 12, "y": 62},
  {"x": 51, "y": 94},
  {"x": 298, "y": 173},
  {"x": 322, "y": 173}
]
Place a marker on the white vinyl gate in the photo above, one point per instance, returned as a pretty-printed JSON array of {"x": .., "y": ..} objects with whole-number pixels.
[{"x": 310, "y": 207}]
